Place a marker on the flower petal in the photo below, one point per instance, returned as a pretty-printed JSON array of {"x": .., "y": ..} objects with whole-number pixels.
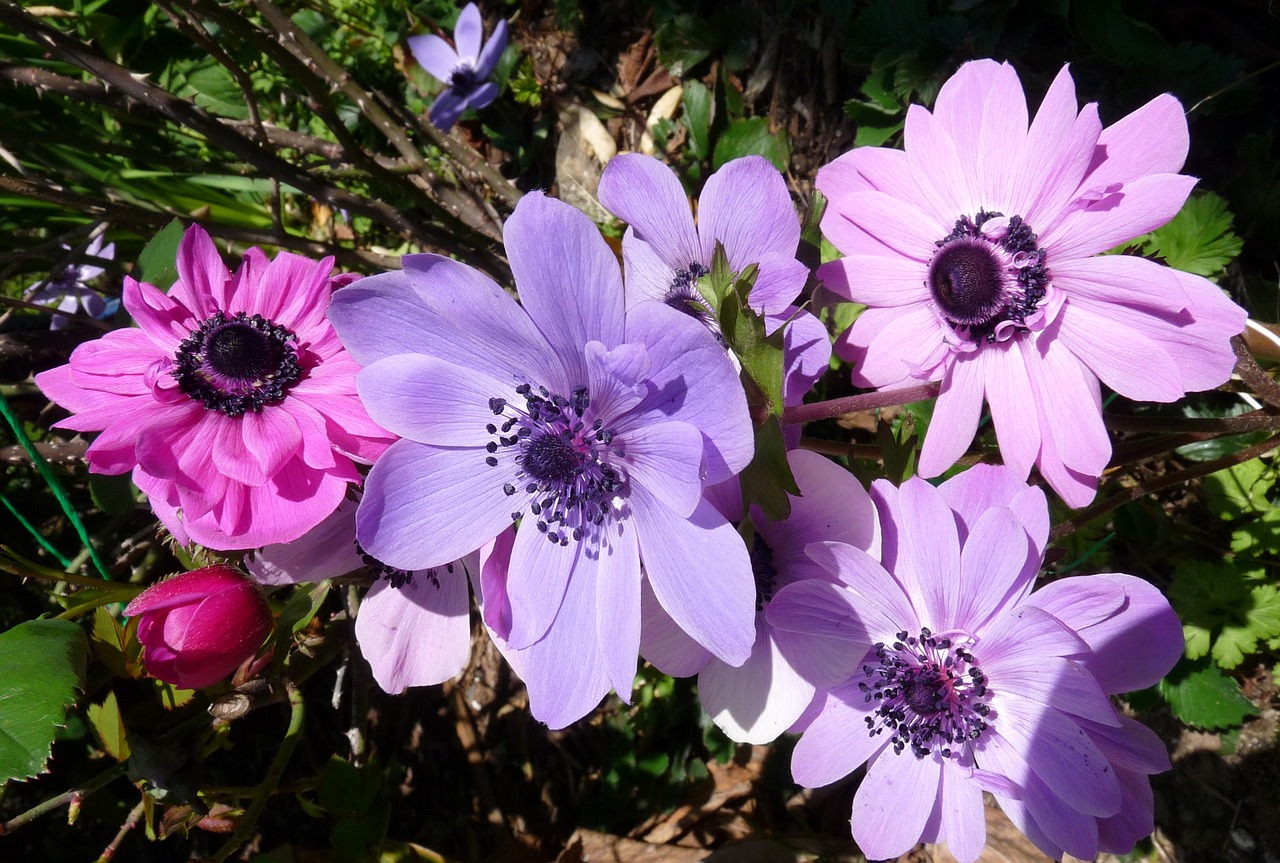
[
  {"x": 434, "y": 55},
  {"x": 617, "y": 626},
  {"x": 1116, "y": 216},
  {"x": 894, "y": 802},
  {"x": 432, "y": 401},
  {"x": 834, "y": 745},
  {"x": 468, "y": 32},
  {"x": 663, "y": 643},
  {"x": 418, "y": 634},
  {"x": 955, "y": 415},
  {"x": 666, "y": 459},
  {"x": 758, "y": 700},
  {"x": 645, "y": 194}
]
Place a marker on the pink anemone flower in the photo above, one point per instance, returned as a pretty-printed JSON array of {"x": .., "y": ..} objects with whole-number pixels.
[
  {"x": 233, "y": 402},
  {"x": 978, "y": 253}
]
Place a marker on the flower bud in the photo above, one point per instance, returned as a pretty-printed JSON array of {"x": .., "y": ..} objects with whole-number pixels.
[{"x": 198, "y": 627}]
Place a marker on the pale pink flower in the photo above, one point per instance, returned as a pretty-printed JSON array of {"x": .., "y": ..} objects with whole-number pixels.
[
  {"x": 978, "y": 252},
  {"x": 233, "y": 402}
]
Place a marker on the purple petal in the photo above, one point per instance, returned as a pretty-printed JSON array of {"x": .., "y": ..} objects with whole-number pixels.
[
  {"x": 879, "y": 602},
  {"x": 468, "y": 32},
  {"x": 817, "y": 613},
  {"x": 993, "y": 569},
  {"x": 832, "y": 505},
  {"x": 537, "y": 577},
  {"x": 617, "y": 576},
  {"x": 1124, "y": 359},
  {"x": 1130, "y": 746},
  {"x": 328, "y": 550},
  {"x": 491, "y": 53},
  {"x": 418, "y": 634},
  {"x": 568, "y": 277},
  {"x": 481, "y": 96},
  {"x": 616, "y": 378},
  {"x": 425, "y": 506},
  {"x": 758, "y": 700},
  {"x": 431, "y": 401},
  {"x": 1135, "y": 820},
  {"x": 447, "y": 310},
  {"x": 700, "y": 573},
  {"x": 645, "y": 194},
  {"x": 955, "y": 415},
  {"x": 806, "y": 352},
  {"x": 971, "y": 493},
  {"x": 434, "y": 55},
  {"x": 1138, "y": 207},
  {"x": 929, "y": 563},
  {"x": 489, "y": 583},
  {"x": 1023, "y": 632},
  {"x": 692, "y": 380},
  {"x": 964, "y": 820},
  {"x": 836, "y": 742},
  {"x": 648, "y": 277},
  {"x": 894, "y": 802},
  {"x": 1151, "y": 140},
  {"x": 891, "y": 347},
  {"x": 1133, "y": 633},
  {"x": 664, "y": 644},
  {"x": 446, "y": 110},
  {"x": 877, "y": 280},
  {"x": 665, "y": 458}
]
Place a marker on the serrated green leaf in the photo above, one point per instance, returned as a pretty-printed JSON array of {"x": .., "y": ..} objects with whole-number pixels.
[
  {"x": 762, "y": 356},
  {"x": 216, "y": 91},
  {"x": 1221, "y": 613},
  {"x": 1202, "y": 696},
  {"x": 44, "y": 664},
  {"x": 1239, "y": 489},
  {"x": 767, "y": 481},
  {"x": 1199, "y": 239},
  {"x": 158, "y": 261},
  {"x": 109, "y": 726}
]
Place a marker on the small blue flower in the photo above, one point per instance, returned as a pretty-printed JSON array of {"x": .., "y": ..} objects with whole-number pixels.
[
  {"x": 464, "y": 71},
  {"x": 69, "y": 289}
]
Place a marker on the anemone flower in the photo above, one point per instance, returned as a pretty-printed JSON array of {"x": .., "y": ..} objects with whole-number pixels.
[
  {"x": 969, "y": 682},
  {"x": 592, "y": 428},
  {"x": 757, "y": 701},
  {"x": 977, "y": 252},
  {"x": 744, "y": 206},
  {"x": 232, "y": 402},
  {"x": 413, "y": 627},
  {"x": 70, "y": 290},
  {"x": 464, "y": 71}
]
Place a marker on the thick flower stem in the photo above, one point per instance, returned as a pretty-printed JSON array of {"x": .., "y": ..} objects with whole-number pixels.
[
  {"x": 244, "y": 827},
  {"x": 813, "y": 411},
  {"x": 1253, "y": 375}
]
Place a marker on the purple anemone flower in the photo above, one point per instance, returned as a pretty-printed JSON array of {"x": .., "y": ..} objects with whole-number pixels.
[
  {"x": 71, "y": 290},
  {"x": 592, "y": 428},
  {"x": 978, "y": 253},
  {"x": 757, "y": 701},
  {"x": 969, "y": 682},
  {"x": 744, "y": 206},
  {"x": 414, "y": 626},
  {"x": 464, "y": 71}
]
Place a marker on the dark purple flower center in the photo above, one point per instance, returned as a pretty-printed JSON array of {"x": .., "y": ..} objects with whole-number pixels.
[
  {"x": 398, "y": 578},
  {"x": 929, "y": 695},
  {"x": 981, "y": 279},
  {"x": 763, "y": 569},
  {"x": 463, "y": 80},
  {"x": 563, "y": 460},
  {"x": 237, "y": 364},
  {"x": 684, "y": 296}
]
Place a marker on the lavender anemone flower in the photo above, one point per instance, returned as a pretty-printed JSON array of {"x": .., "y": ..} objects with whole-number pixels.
[
  {"x": 71, "y": 290},
  {"x": 592, "y": 428},
  {"x": 970, "y": 682},
  {"x": 413, "y": 627},
  {"x": 464, "y": 71},
  {"x": 977, "y": 251},
  {"x": 744, "y": 206},
  {"x": 757, "y": 701}
]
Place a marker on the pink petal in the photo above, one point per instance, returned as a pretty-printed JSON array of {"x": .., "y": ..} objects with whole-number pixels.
[
  {"x": 992, "y": 569},
  {"x": 1124, "y": 359},
  {"x": 955, "y": 415},
  {"x": 328, "y": 550},
  {"x": 1136, "y": 208},
  {"x": 891, "y": 347},
  {"x": 1070, "y": 407},
  {"x": 1013, "y": 405},
  {"x": 877, "y": 280},
  {"x": 1151, "y": 140},
  {"x": 202, "y": 276},
  {"x": 946, "y": 190},
  {"x": 1122, "y": 279}
]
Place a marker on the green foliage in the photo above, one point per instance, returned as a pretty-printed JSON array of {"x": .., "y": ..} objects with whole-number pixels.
[
  {"x": 1199, "y": 239},
  {"x": 1240, "y": 489},
  {"x": 750, "y": 136},
  {"x": 767, "y": 480},
  {"x": 157, "y": 263},
  {"x": 353, "y": 797},
  {"x": 699, "y": 108},
  {"x": 1224, "y": 612},
  {"x": 44, "y": 665},
  {"x": 1202, "y": 696}
]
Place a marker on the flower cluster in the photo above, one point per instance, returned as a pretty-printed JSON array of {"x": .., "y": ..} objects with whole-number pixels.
[{"x": 573, "y": 455}]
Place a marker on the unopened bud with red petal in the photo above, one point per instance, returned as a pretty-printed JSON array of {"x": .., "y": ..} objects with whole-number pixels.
[{"x": 198, "y": 627}]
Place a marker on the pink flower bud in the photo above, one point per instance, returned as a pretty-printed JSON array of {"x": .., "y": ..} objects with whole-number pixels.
[{"x": 197, "y": 627}]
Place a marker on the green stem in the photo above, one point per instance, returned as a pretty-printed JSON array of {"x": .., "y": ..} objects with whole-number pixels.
[
  {"x": 35, "y": 534},
  {"x": 52, "y": 481},
  {"x": 244, "y": 827}
]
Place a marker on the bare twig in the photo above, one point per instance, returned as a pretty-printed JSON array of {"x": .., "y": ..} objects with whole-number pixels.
[{"x": 801, "y": 414}]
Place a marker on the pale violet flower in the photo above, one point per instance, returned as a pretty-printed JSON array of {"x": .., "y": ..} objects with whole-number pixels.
[
  {"x": 465, "y": 69},
  {"x": 71, "y": 290}
]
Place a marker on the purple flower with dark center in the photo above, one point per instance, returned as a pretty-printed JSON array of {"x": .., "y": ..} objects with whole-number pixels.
[
  {"x": 969, "y": 682},
  {"x": 71, "y": 289},
  {"x": 757, "y": 701},
  {"x": 592, "y": 428},
  {"x": 464, "y": 71},
  {"x": 413, "y": 627},
  {"x": 978, "y": 251},
  {"x": 744, "y": 206}
]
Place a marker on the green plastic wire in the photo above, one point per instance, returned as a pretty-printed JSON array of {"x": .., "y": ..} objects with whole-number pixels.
[
  {"x": 35, "y": 534},
  {"x": 1088, "y": 553},
  {"x": 54, "y": 485}
]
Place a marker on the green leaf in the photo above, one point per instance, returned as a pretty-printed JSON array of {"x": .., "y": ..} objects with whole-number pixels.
[
  {"x": 699, "y": 109},
  {"x": 1239, "y": 489},
  {"x": 1199, "y": 239},
  {"x": 1113, "y": 34},
  {"x": 216, "y": 91},
  {"x": 302, "y": 606},
  {"x": 158, "y": 261},
  {"x": 1221, "y": 612},
  {"x": 1203, "y": 697},
  {"x": 767, "y": 480},
  {"x": 751, "y": 137},
  {"x": 761, "y": 355},
  {"x": 44, "y": 665},
  {"x": 113, "y": 493},
  {"x": 109, "y": 725}
]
